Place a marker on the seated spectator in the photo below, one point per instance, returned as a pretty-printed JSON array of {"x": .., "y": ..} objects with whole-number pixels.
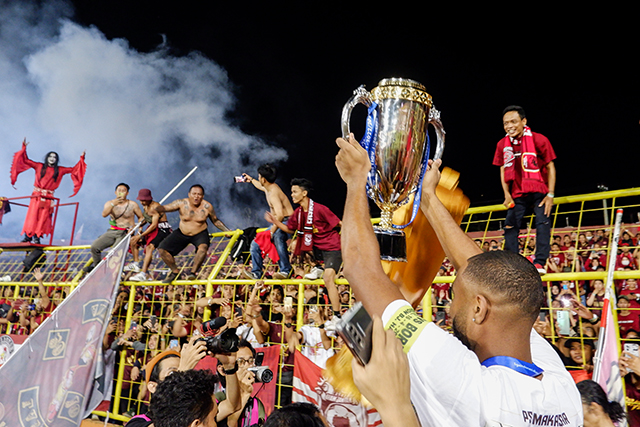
[
  {"x": 625, "y": 258},
  {"x": 595, "y": 300},
  {"x": 580, "y": 361},
  {"x": 273, "y": 333},
  {"x": 121, "y": 211},
  {"x": 316, "y": 344},
  {"x": 627, "y": 319}
]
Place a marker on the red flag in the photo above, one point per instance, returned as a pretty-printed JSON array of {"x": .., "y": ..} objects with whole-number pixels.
[
  {"x": 48, "y": 381},
  {"x": 310, "y": 386}
]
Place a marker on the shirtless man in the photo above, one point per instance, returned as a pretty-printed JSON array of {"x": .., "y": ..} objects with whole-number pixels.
[
  {"x": 154, "y": 234},
  {"x": 121, "y": 212},
  {"x": 281, "y": 209},
  {"x": 194, "y": 212}
]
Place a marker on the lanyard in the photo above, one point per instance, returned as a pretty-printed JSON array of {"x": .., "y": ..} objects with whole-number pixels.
[{"x": 517, "y": 365}]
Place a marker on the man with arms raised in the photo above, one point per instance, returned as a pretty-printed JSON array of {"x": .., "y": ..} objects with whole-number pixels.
[
  {"x": 496, "y": 371},
  {"x": 280, "y": 208},
  {"x": 121, "y": 212},
  {"x": 194, "y": 212}
]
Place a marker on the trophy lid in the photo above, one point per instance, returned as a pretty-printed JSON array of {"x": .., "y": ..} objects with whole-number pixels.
[{"x": 399, "y": 88}]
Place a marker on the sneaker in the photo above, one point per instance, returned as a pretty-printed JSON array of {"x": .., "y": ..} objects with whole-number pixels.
[
  {"x": 280, "y": 276},
  {"x": 6, "y": 278},
  {"x": 139, "y": 277},
  {"x": 171, "y": 276},
  {"x": 88, "y": 268},
  {"x": 26, "y": 239},
  {"x": 540, "y": 269},
  {"x": 132, "y": 266},
  {"x": 250, "y": 275},
  {"x": 190, "y": 276},
  {"x": 36, "y": 240},
  {"x": 316, "y": 273}
]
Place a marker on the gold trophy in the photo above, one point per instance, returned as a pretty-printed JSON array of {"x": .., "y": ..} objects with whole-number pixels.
[{"x": 397, "y": 142}]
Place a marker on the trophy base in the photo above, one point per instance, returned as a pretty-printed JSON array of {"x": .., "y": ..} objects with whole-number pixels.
[{"x": 393, "y": 244}]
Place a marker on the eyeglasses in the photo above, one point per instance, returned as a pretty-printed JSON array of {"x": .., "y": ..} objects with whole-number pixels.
[{"x": 242, "y": 361}]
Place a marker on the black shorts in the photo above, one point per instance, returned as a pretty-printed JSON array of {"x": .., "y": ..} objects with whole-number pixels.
[
  {"x": 162, "y": 234},
  {"x": 332, "y": 259},
  {"x": 177, "y": 241}
]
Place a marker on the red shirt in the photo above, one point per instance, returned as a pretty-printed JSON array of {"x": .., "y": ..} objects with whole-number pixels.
[
  {"x": 325, "y": 235},
  {"x": 630, "y": 321},
  {"x": 544, "y": 152}
]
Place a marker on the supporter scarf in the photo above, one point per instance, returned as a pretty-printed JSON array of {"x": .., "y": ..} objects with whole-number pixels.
[
  {"x": 528, "y": 160},
  {"x": 305, "y": 231}
]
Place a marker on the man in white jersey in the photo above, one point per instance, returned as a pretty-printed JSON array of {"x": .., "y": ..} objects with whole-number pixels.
[{"x": 495, "y": 370}]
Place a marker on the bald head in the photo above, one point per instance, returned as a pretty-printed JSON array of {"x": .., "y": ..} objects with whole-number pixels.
[{"x": 507, "y": 278}]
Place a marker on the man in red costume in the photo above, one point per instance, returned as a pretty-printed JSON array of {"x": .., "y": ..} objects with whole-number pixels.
[{"x": 48, "y": 178}]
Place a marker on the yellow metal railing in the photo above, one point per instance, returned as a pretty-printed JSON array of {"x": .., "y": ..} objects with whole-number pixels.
[{"x": 63, "y": 265}]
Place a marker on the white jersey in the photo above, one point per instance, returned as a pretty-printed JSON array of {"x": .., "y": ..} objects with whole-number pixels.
[
  {"x": 312, "y": 347},
  {"x": 245, "y": 331},
  {"x": 449, "y": 386}
]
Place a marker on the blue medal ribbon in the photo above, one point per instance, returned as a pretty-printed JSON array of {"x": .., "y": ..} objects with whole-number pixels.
[
  {"x": 368, "y": 142},
  {"x": 517, "y": 365}
]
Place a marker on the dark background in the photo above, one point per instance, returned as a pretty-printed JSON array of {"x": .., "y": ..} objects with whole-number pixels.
[{"x": 294, "y": 67}]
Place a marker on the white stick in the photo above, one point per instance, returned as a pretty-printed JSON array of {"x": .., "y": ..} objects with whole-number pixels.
[{"x": 178, "y": 185}]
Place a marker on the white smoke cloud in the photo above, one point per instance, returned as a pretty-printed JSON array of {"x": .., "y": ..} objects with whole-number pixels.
[{"x": 143, "y": 118}]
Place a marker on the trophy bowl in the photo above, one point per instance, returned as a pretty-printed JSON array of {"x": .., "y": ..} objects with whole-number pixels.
[{"x": 399, "y": 112}]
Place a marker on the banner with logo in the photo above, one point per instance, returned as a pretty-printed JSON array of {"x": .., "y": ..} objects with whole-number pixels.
[
  {"x": 310, "y": 386},
  {"x": 48, "y": 381}
]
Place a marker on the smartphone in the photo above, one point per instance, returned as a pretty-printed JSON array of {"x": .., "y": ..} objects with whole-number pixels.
[
  {"x": 154, "y": 320},
  {"x": 259, "y": 358},
  {"x": 564, "y": 325},
  {"x": 355, "y": 329},
  {"x": 174, "y": 344},
  {"x": 631, "y": 347},
  {"x": 133, "y": 326},
  {"x": 288, "y": 303},
  {"x": 240, "y": 178},
  {"x": 440, "y": 317},
  {"x": 542, "y": 316}
]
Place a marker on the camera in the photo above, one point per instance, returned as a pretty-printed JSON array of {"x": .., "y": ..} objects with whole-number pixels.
[
  {"x": 262, "y": 374},
  {"x": 225, "y": 343}
]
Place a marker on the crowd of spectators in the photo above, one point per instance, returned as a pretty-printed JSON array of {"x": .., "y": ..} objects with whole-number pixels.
[{"x": 166, "y": 316}]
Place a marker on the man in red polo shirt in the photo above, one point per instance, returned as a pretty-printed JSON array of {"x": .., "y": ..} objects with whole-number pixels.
[{"x": 528, "y": 177}]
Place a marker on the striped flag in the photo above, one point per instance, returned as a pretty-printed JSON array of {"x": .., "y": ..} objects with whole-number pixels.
[
  {"x": 606, "y": 370},
  {"x": 49, "y": 380},
  {"x": 310, "y": 386}
]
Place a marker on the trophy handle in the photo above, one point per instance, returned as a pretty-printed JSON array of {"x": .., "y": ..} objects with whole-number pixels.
[
  {"x": 360, "y": 96},
  {"x": 434, "y": 119}
]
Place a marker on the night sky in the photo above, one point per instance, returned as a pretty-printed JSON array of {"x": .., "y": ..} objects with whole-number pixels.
[{"x": 293, "y": 68}]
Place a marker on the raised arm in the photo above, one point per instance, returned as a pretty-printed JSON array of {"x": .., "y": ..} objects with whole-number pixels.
[
  {"x": 171, "y": 207},
  {"x": 360, "y": 251},
  {"x": 254, "y": 181},
  {"x": 456, "y": 244},
  {"x": 42, "y": 291}
]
